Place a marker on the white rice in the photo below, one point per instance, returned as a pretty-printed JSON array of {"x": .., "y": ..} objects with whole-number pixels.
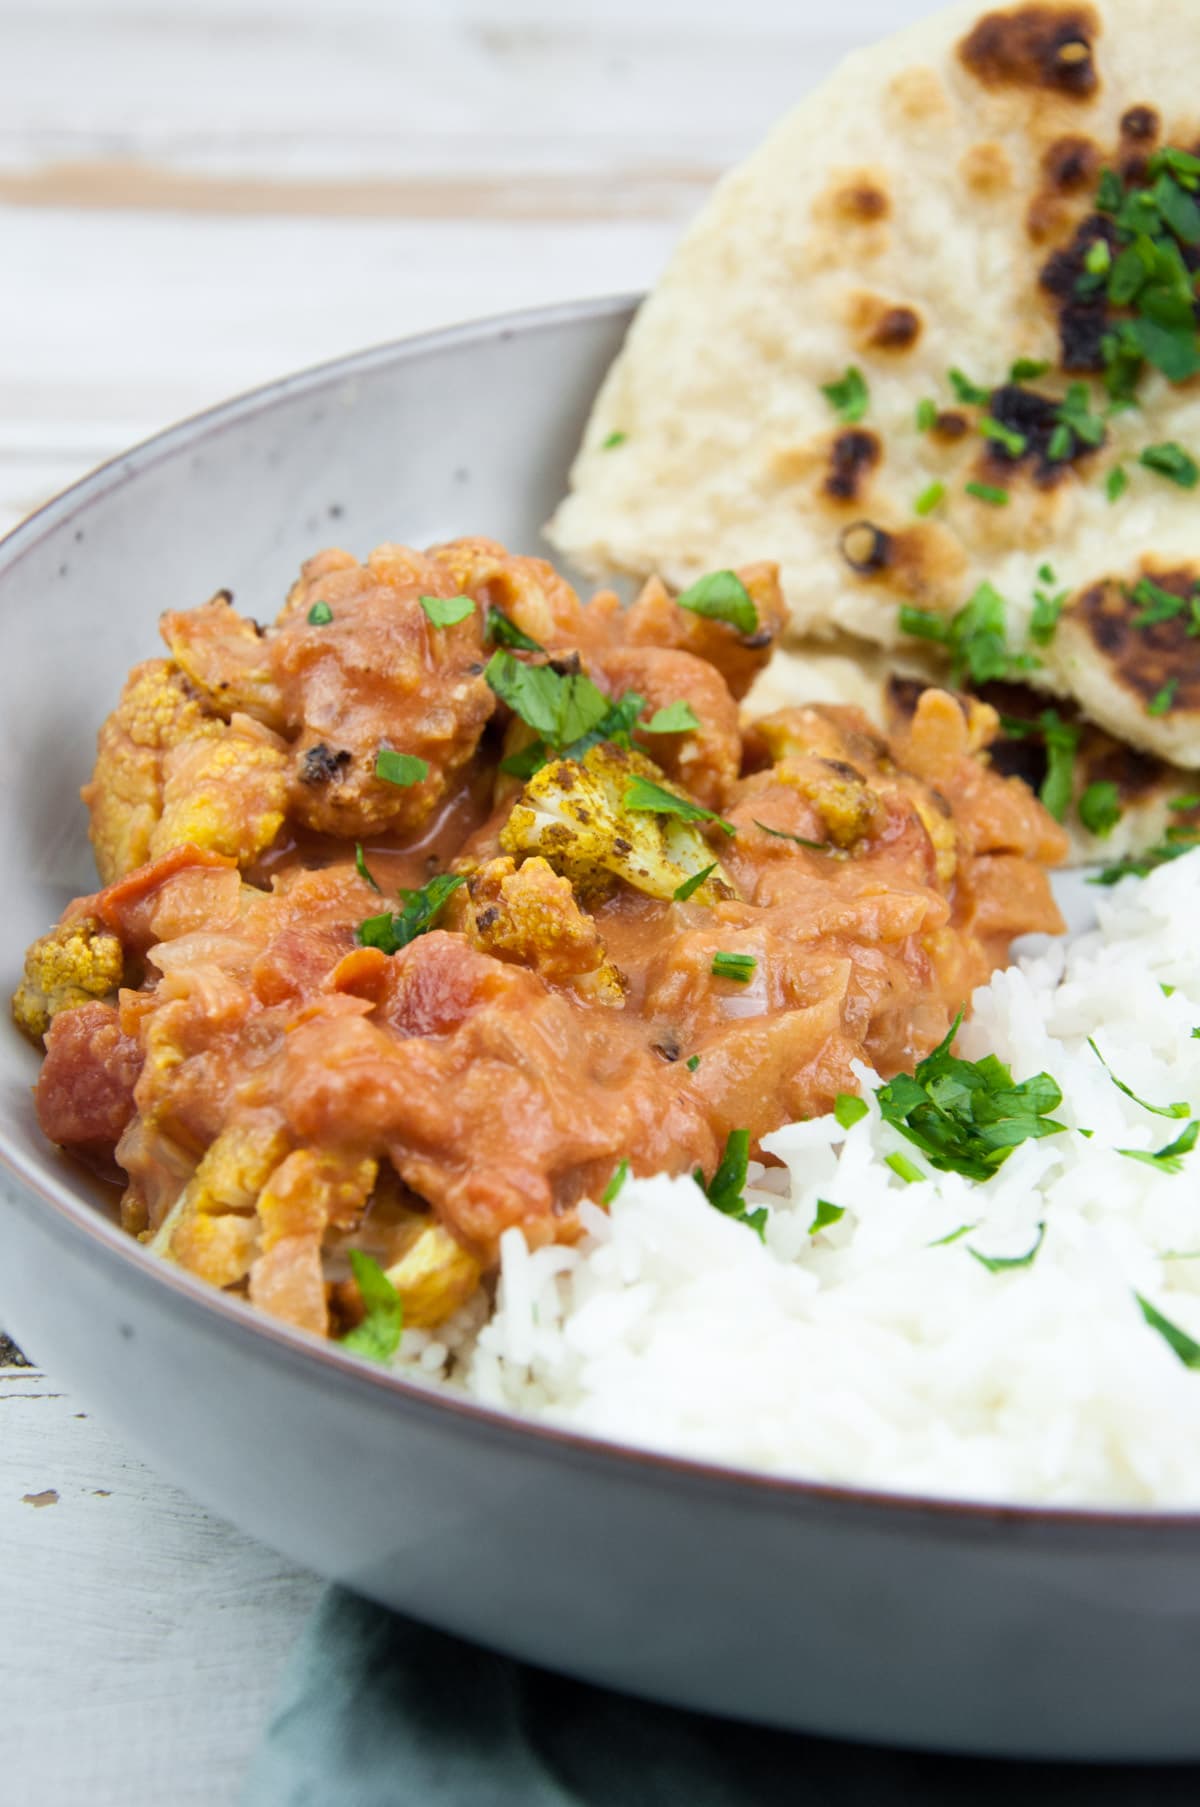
[{"x": 867, "y": 1354}]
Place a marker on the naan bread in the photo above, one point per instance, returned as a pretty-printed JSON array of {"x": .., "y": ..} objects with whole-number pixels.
[{"x": 929, "y": 208}]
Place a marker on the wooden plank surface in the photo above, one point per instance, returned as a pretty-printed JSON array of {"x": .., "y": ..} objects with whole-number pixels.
[{"x": 195, "y": 196}]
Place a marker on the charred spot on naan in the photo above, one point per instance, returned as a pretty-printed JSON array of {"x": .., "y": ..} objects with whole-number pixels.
[
  {"x": 1134, "y": 668},
  {"x": 1070, "y": 167},
  {"x": 1035, "y": 419},
  {"x": 1036, "y": 47},
  {"x": 922, "y": 563},
  {"x": 987, "y": 170},
  {"x": 880, "y": 325},
  {"x": 854, "y": 454}
]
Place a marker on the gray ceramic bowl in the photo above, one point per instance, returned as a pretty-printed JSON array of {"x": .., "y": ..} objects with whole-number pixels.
[{"x": 925, "y": 1623}]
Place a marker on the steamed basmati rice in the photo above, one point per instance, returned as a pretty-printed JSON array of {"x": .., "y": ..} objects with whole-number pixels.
[{"x": 881, "y": 1351}]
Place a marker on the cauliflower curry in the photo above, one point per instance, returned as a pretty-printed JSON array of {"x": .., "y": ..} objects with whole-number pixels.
[{"x": 430, "y": 906}]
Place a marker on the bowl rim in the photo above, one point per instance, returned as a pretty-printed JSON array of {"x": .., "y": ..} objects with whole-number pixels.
[{"x": 78, "y": 1216}]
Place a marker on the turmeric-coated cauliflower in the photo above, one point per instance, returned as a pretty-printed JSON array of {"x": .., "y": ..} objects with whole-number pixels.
[{"x": 74, "y": 963}]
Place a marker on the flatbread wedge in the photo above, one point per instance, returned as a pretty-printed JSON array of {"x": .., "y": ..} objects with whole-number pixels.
[{"x": 933, "y": 348}]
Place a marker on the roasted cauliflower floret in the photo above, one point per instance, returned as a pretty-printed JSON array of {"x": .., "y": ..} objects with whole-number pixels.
[
  {"x": 74, "y": 964},
  {"x": 157, "y": 711},
  {"x": 574, "y": 813},
  {"x": 434, "y": 1276},
  {"x": 212, "y": 1229},
  {"x": 529, "y": 915},
  {"x": 227, "y": 794},
  {"x": 225, "y": 658}
]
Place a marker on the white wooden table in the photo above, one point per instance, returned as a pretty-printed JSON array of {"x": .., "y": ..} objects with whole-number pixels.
[{"x": 195, "y": 196}]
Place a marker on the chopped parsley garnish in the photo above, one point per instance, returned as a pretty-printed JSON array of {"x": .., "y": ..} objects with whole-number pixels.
[
  {"x": 320, "y": 615},
  {"x": 781, "y": 834},
  {"x": 444, "y": 611},
  {"x": 905, "y": 1169},
  {"x": 726, "y": 1190},
  {"x": 1027, "y": 370},
  {"x": 826, "y": 1214},
  {"x": 1188, "y": 802},
  {"x": 722, "y": 596},
  {"x": 1100, "y": 807},
  {"x": 964, "y": 1229},
  {"x": 967, "y": 391},
  {"x": 1074, "y": 414},
  {"x": 619, "y": 1176},
  {"x": 690, "y": 886},
  {"x": 926, "y": 415},
  {"x": 418, "y": 913},
  {"x": 734, "y": 966},
  {"x": 1171, "y": 461},
  {"x": 613, "y": 440},
  {"x": 558, "y": 706},
  {"x": 692, "y": 1062},
  {"x": 1046, "y": 610},
  {"x": 1013, "y": 443},
  {"x": 1159, "y": 1110},
  {"x": 378, "y": 1335},
  {"x": 967, "y": 1116},
  {"x": 643, "y": 793},
  {"x": 498, "y": 630},
  {"x": 1170, "y": 1158},
  {"x": 849, "y": 1109},
  {"x": 363, "y": 870},
  {"x": 974, "y": 637},
  {"x": 1116, "y": 483},
  {"x": 849, "y": 397},
  {"x": 1162, "y": 700},
  {"x": 999, "y": 1264},
  {"x": 1061, "y": 741},
  {"x": 401, "y": 769},
  {"x": 616, "y": 724},
  {"x": 676, "y": 718},
  {"x": 1175, "y": 843},
  {"x": 1098, "y": 259},
  {"x": 987, "y": 492},
  {"x": 1154, "y": 603},
  {"x": 1185, "y": 1348},
  {"x": 1148, "y": 280},
  {"x": 929, "y": 498}
]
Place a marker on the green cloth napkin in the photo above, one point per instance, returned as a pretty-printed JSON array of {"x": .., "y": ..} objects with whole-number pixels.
[{"x": 377, "y": 1711}]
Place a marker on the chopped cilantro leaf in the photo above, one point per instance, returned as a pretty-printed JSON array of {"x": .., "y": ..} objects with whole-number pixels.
[
  {"x": 967, "y": 391},
  {"x": 402, "y": 769},
  {"x": 559, "y": 706},
  {"x": 1159, "y": 1110},
  {"x": 643, "y": 793},
  {"x": 1185, "y": 1348},
  {"x": 498, "y": 630},
  {"x": 726, "y": 1190},
  {"x": 690, "y": 886},
  {"x": 849, "y": 1110},
  {"x": 1116, "y": 483},
  {"x": 734, "y": 966},
  {"x": 612, "y": 441},
  {"x": 974, "y": 637},
  {"x": 444, "y": 611},
  {"x": 1098, "y": 257},
  {"x": 1170, "y": 1158},
  {"x": 378, "y": 1335},
  {"x": 1173, "y": 846},
  {"x": 967, "y": 1116},
  {"x": 1171, "y": 461},
  {"x": 1160, "y": 703},
  {"x": 1060, "y": 445},
  {"x": 926, "y": 415},
  {"x": 987, "y": 492},
  {"x": 722, "y": 596},
  {"x": 1012, "y": 442},
  {"x": 1155, "y": 603},
  {"x": 692, "y": 1062},
  {"x": 849, "y": 397},
  {"x": 907, "y": 1170},
  {"x": 1044, "y": 619},
  {"x": 1061, "y": 741},
  {"x": 616, "y": 724},
  {"x": 1075, "y": 413},
  {"x": 826, "y": 1214},
  {"x": 418, "y": 913},
  {"x": 1027, "y": 370},
  {"x": 676, "y": 718},
  {"x": 360, "y": 862},
  {"x": 320, "y": 615},
  {"x": 1110, "y": 191},
  {"x": 1189, "y": 802},
  {"x": 929, "y": 498},
  {"x": 619, "y": 1176},
  {"x": 1045, "y": 574},
  {"x": 781, "y": 834},
  {"x": 999, "y": 1264},
  {"x": 1100, "y": 807},
  {"x": 964, "y": 1229}
]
